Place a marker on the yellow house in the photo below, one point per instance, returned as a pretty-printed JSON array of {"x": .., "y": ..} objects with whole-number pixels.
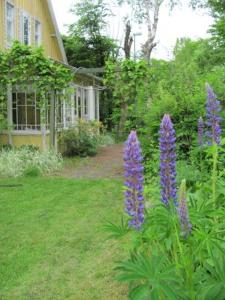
[{"x": 32, "y": 22}]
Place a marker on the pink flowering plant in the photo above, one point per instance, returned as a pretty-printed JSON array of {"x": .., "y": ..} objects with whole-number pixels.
[{"x": 176, "y": 242}]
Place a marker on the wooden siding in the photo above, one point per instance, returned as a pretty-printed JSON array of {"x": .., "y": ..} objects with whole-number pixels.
[
  {"x": 37, "y": 9},
  {"x": 21, "y": 139}
]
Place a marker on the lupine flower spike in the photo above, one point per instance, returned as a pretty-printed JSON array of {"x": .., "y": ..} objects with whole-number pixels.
[
  {"x": 200, "y": 131},
  {"x": 167, "y": 161},
  {"x": 213, "y": 108},
  {"x": 134, "y": 181},
  {"x": 183, "y": 210}
]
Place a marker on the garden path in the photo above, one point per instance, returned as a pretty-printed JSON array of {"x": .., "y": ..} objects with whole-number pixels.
[{"x": 108, "y": 163}]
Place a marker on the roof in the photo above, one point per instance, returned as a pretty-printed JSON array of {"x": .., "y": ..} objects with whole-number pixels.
[{"x": 58, "y": 36}]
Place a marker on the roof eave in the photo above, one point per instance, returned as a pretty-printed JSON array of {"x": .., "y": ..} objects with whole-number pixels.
[{"x": 58, "y": 36}]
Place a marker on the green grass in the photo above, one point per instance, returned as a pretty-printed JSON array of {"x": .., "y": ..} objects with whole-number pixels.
[{"x": 53, "y": 245}]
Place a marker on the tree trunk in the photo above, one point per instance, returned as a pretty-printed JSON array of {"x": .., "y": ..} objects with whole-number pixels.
[
  {"x": 123, "y": 118},
  {"x": 152, "y": 24},
  {"x": 128, "y": 41}
]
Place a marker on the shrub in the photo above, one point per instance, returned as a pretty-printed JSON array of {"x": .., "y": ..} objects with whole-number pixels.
[
  {"x": 82, "y": 140},
  {"x": 24, "y": 161},
  {"x": 78, "y": 143}
]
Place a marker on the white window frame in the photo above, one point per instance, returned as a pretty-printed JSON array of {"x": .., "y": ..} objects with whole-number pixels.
[
  {"x": 86, "y": 103},
  {"x": 23, "y": 15},
  {"x": 17, "y": 106},
  {"x": 9, "y": 43},
  {"x": 37, "y": 33}
]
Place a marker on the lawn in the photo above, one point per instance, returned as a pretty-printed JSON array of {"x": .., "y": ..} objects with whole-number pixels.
[{"x": 53, "y": 245}]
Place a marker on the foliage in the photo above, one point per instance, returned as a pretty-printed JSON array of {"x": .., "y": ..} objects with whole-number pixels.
[
  {"x": 26, "y": 161},
  {"x": 87, "y": 45},
  {"x": 162, "y": 256},
  {"x": 105, "y": 139},
  {"x": 81, "y": 140},
  {"x": 179, "y": 89},
  {"x": 217, "y": 10},
  {"x": 181, "y": 242},
  {"x": 22, "y": 65},
  {"x": 127, "y": 81}
]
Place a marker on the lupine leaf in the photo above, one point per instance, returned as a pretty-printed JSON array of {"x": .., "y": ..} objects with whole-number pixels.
[{"x": 141, "y": 292}]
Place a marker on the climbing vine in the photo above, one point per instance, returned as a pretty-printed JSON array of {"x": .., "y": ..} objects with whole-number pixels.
[
  {"x": 128, "y": 81},
  {"x": 23, "y": 65}
]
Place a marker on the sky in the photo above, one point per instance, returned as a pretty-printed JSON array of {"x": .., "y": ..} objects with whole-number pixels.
[{"x": 181, "y": 22}]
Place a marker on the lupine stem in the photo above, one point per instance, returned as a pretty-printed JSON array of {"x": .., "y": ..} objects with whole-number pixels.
[{"x": 214, "y": 173}]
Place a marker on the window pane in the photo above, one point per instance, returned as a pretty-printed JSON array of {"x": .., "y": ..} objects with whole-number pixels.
[
  {"x": 21, "y": 99},
  {"x": 37, "y": 33},
  {"x": 14, "y": 117},
  {"x": 85, "y": 102},
  {"x": 31, "y": 99},
  {"x": 9, "y": 23},
  {"x": 26, "y": 30},
  {"x": 22, "y": 117},
  {"x": 26, "y": 114},
  {"x": 75, "y": 104},
  {"x": 38, "y": 119},
  {"x": 30, "y": 116}
]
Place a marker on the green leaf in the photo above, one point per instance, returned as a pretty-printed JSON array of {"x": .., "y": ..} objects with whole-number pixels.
[{"x": 140, "y": 292}]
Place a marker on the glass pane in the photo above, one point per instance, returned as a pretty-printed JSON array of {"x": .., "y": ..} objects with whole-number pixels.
[
  {"x": 30, "y": 115},
  {"x": 21, "y": 99},
  {"x": 14, "y": 117},
  {"x": 37, "y": 33},
  {"x": 38, "y": 118},
  {"x": 14, "y": 97},
  {"x": 22, "y": 117},
  {"x": 79, "y": 107},
  {"x": 75, "y": 104},
  {"x": 26, "y": 30},
  {"x": 31, "y": 99}
]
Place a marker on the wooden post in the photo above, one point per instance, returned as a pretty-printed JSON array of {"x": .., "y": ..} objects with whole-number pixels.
[
  {"x": 52, "y": 121},
  {"x": 9, "y": 113}
]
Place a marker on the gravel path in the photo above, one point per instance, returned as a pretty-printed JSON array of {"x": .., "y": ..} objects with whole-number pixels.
[{"x": 108, "y": 163}]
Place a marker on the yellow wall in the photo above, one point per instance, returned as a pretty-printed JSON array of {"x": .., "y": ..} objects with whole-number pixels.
[
  {"x": 19, "y": 140},
  {"x": 36, "y": 9}
]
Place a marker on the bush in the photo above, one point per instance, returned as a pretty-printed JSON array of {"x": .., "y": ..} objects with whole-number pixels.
[
  {"x": 82, "y": 140},
  {"x": 27, "y": 162},
  {"x": 78, "y": 143}
]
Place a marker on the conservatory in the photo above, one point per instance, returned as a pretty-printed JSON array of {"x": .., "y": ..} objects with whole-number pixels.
[{"x": 28, "y": 125}]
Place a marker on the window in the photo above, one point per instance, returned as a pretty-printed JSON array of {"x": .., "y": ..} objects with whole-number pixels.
[
  {"x": 59, "y": 110},
  {"x": 37, "y": 33},
  {"x": 96, "y": 105},
  {"x": 9, "y": 23},
  {"x": 79, "y": 108},
  {"x": 86, "y": 102},
  {"x": 26, "y": 113},
  {"x": 75, "y": 103},
  {"x": 25, "y": 29}
]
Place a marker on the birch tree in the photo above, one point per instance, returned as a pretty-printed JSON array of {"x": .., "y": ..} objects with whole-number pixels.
[{"x": 147, "y": 12}]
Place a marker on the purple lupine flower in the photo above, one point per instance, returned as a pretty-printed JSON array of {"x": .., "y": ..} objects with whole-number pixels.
[
  {"x": 167, "y": 161},
  {"x": 213, "y": 108},
  {"x": 200, "y": 131},
  {"x": 134, "y": 181},
  {"x": 183, "y": 210}
]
